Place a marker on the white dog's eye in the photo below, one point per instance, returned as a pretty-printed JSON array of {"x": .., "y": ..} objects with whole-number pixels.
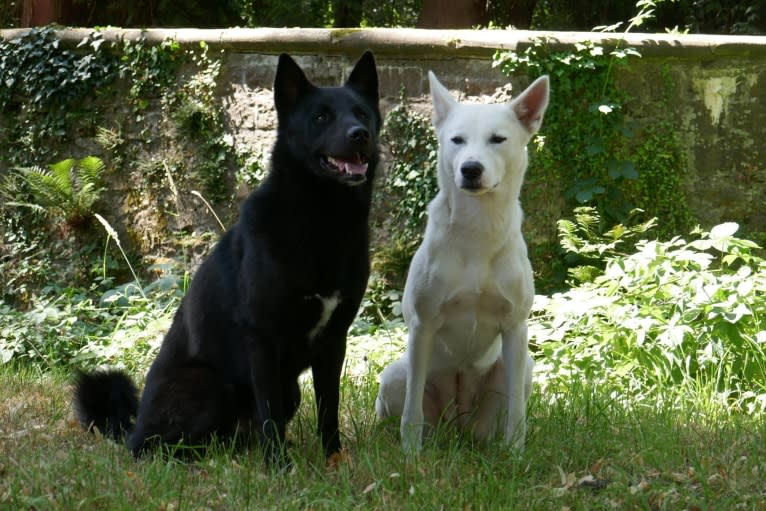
[
  {"x": 458, "y": 140},
  {"x": 497, "y": 139}
]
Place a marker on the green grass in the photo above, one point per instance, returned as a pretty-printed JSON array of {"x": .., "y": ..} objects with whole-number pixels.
[
  {"x": 584, "y": 451},
  {"x": 622, "y": 418}
]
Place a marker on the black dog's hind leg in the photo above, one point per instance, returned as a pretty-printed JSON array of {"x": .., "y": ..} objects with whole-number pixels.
[{"x": 186, "y": 404}]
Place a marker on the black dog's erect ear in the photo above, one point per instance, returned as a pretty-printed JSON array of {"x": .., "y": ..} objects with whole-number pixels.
[
  {"x": 290, "y": 85},
  {"x": 364, "y": 77}
]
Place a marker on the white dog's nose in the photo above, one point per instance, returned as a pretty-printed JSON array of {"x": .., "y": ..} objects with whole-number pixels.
[{"x": 471, "y": 170}]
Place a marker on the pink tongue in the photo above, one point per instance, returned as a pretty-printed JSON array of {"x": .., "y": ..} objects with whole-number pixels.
[{"x": 351, "y": 168}]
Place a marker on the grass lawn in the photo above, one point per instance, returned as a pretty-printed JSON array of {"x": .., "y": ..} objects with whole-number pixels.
[{"x": 584, "y": 451}]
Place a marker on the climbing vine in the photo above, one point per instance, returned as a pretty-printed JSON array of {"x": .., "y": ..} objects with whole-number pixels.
[
  {"x": 591, "y": 147},
  {"x": 45, "y": 90},
  {"x": 147, "y": 110}
]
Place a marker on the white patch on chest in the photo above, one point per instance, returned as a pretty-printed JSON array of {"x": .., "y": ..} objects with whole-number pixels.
[{"x": 329, "y": 304}]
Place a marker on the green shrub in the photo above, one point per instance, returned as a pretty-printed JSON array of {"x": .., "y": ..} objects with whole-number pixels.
[
  {"x": 587, "y": 247},
  {"x": 25, "y": 259},
  {"x": 406, "y": 190},
  {"x": 411, "y": 179},
  {"x": 668, "y": 317},
  {"x": 589, "y": 147},
  {"x": 68, "y": 326},
  {"x": 46, "y": 89}
]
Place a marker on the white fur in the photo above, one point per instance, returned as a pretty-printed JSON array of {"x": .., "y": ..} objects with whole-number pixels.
[
  {"x": 329, "y": 305},
  {"x": 469, "y": 290}
]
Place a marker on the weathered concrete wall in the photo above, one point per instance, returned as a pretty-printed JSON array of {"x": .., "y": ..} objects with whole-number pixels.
[
  {"x": 719, "y": 108},
  {"x": 719, "y": 95}
]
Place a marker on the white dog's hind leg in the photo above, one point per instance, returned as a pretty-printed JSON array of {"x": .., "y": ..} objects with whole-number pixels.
[
  {"x": 491, "y": 402},
  {"x": 393, "y": 382},
  {"x": 518, "y": 373}
]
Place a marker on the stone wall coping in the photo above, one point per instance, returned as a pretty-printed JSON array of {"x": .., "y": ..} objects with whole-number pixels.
[{"x": 410, "y": 43}]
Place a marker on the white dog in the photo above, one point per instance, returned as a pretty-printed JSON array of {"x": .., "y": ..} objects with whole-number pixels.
[{"x": 469, "y": 290}]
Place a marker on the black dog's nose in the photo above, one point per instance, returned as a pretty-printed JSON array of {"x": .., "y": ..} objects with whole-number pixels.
[
  {"x": 358, "y": 134},
  {"x": 471, "y": 169}
]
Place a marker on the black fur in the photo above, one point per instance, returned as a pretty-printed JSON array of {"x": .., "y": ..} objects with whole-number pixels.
[
  {"x": 107, "y": 401},
  {"x": 240, "y": 338}
]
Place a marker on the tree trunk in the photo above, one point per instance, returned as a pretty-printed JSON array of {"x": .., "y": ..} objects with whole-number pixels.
[
  {"x": 36, "y": 13},
  {"x": 452, "y": 13},
  {"x": 520, "y": 13},
  {"x": 347, "y": 13}
]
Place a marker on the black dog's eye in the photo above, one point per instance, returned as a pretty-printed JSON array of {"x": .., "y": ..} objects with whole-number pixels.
[
  {"x": 458, "y": 140},
  {"x": 321, "y": 117},
  {"x": 497, "y": 139},
  {"x": 361, "y": 115}
]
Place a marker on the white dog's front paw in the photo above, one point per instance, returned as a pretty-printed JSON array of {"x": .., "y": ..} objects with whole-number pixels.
[{"x": 412, "y": 437}]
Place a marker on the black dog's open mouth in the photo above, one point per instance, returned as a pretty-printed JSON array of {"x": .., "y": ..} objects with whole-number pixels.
[{"x": 355, "y": 168}]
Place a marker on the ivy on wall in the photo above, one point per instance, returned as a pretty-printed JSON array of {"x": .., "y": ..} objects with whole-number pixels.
[
  {"x": 589, "y": 151},
  {"x": 148, "y": 111},
  {"x": 45, "y": 90},
  {"x": 591, "y": 147},
  {"x": 107, "y": 96}
]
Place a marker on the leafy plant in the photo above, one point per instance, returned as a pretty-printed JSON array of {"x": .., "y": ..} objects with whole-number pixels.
[
  {"x": 67, "y": 189},
  {"x": 588, "y": 143},
  {"x": 586, "y": 135},
  {"x": 411, "y": 177},
  {"x": 672, "y": 314},
  {"x": 587, "y": 245},
  {"x": 149, "y": 68},
  {"x": 35, "y": 68},
  {"x": 66, "y": 326},
  {"x": 25, "y": 260},
  {"x": 410, "y": 184},
  {"x": 46, "y": 88},
  {"x": 199, "y": 123}
]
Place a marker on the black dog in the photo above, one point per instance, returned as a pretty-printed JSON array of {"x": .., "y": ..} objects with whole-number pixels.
[{"x": 277, "y": 294}]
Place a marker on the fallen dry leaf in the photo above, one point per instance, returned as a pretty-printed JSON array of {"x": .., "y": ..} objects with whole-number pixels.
[
  {"x": 641, "y": 486},
  {"x": 369, "y": 488},
  {"x": 567, "y": 480},
  {"x": 336, "y": 459}
]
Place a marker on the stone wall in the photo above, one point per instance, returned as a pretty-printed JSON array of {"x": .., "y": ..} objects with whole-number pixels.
[{"x": 719, "y": 103}]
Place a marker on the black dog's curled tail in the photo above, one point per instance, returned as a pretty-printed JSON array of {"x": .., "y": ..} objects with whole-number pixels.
[{"x": 107, "y": 401}]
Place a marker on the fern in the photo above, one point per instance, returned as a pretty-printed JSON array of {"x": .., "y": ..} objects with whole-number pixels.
[
  {"x": 67, "y": 189},
  {"x": 587, "y": 246}
]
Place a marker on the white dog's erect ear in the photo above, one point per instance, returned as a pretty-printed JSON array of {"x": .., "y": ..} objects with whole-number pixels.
[
  {"x": 531, "y": 104},
  {"x": 440, "y": 98}
]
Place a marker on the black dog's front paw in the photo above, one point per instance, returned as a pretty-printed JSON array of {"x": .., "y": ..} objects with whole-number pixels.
[
  {"x": 274, "y": 447},
  {"x": 276, "y": 458}
]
